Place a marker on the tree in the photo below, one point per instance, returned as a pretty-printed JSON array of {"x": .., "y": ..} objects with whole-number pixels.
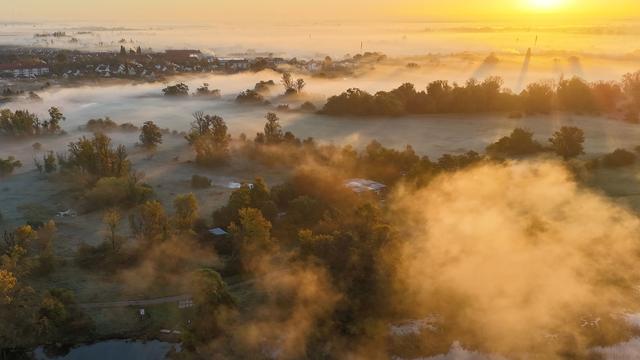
[
  {"x": 55, "y": 118},
  {"x": 537, "y": 98},
  {"x": 252, "y": 235},
  {"x": 300, "y": 84},
  {"x": 150, "y": 222},
  {"x": 631, "y": 86},
  {"x": 576, "y": 95},
  {"x": 210, "y": 139},
  {"x": 46, "y": 257},
  {"x": 98, "y": 157},
  {"x": 250, "y": 96},
  {"x": 186, "y": 211},
  {"x": 180, "y": 89},
  {"x": 519, "y": 143},
  {"x": 111, "y": 219},
  {"x": 211, "y": 300},
  {"x": 61, "y": 319},
  {"x": 272, "y": 129},
  {"x": 568, "y": 142},
  {"x": 619, "y": 158},
  {"x": 288, "y": 83},
  {"x": 150, "y": 135}
]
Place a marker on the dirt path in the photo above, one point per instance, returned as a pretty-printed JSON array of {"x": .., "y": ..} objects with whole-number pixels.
[{"x": 125, "y": 303}]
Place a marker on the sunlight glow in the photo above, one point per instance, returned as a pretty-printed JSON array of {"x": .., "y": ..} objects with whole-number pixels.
[{"x": 545, "y": 4}]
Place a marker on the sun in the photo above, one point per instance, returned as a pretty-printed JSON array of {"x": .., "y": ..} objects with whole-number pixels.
[{"x": 545, "y": 4}]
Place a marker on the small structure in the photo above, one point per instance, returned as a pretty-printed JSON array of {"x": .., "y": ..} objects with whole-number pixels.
[
  {"x": 67, "y": 213},
  {"x": 218, "y": 232},
  {"x": 363, "y": 185}
]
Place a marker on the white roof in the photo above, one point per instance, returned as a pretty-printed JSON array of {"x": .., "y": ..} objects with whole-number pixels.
[{"x": 362, "y": 185}]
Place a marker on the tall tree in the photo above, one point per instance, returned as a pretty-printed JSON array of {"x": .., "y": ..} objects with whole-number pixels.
[
  {"x": 272, "y": 129},
  {"x": 111, "y": 219},
  {"x": 186, "y": 211}
]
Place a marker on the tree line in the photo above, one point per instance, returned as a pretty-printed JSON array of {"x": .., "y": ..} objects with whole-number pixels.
[{"x": 573, "y": 95}]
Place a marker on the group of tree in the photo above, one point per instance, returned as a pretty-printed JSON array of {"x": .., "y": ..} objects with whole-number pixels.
[
  {"x": 107, "y": 125},
  {"x": 292, "y": 86},
  {"x": 180, "y": 89},
  {"x": 31, "y": 318},
  {"x": 573, "y": 95},
  {"x": 204, "y": 91},
  {"x": 22, "y": 123},
  {"x": 568, "y": 143},
  {"x": 209, "y": 139},
  {"x": 251, "y": 97},
  {"x": 101, "y": 170}
]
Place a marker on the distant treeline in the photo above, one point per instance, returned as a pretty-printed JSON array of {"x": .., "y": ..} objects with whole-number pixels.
[{"x": 439, "y": 97}]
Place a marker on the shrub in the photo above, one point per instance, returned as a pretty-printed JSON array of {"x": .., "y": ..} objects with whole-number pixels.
[
  {"x": 113, "y": 191},
  {"x": 200, "y": 182},
  {"x": 8, "y": 165},
  {"x": 619, "y": 158},
  {"x": 250, "y": 97},
  {"x": 308, "y": 106}
]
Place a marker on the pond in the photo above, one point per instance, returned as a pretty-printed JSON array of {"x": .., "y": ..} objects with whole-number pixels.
[{"x": 113, "y": 350}]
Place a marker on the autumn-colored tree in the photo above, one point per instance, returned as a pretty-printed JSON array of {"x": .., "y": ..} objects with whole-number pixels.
[
  {"x": 111, "y": 219},
  {"x": 186, "y": 211}
]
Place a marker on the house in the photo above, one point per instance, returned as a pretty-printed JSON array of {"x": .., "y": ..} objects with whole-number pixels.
[
  {"x": 27, "y": 69},
  {"x": 234, "y": 64}
]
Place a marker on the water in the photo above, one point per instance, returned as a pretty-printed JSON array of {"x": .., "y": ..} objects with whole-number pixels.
[{"x": 114, "y": 350}]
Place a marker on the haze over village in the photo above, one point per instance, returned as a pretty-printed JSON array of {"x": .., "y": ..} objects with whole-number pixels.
[{"x": 400, "y": 180}]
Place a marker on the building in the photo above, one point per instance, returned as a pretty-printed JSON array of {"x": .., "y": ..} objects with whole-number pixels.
[
  {"x": 27, "y": 69},
  {"x": 182, "y": 55}
]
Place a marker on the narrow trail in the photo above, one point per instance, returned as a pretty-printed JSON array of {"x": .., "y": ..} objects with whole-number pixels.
[{"x": 145, "y": 302}]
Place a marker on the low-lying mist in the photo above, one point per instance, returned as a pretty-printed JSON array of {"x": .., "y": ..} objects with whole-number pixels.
[{"x": 518, "y": 259}]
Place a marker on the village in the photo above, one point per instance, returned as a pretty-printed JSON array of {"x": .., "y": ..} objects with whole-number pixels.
[{"x": 147, "y": 65}]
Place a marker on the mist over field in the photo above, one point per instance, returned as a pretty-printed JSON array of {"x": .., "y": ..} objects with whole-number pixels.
[{"x": 406, "y": 180}]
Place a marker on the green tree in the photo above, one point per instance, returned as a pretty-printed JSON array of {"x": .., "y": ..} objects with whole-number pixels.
[
  {"x": 519, "y": 143},
  {"x": 212, "y": 301},
  {"x": 150, "y": 135},
  {"x": 98, "y": 157},
  {"x": 568, "y": 142}
]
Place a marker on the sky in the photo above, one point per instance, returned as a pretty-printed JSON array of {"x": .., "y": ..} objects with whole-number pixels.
[{"x": 207, "y": 11}]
